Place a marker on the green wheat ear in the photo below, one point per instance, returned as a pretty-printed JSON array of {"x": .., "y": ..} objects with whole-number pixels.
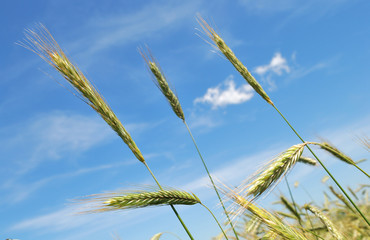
[
  {"x": 325, "y": 220},
  {"x": 43, "y": 44},
  {"x": 335, "y": 152},
  {"x": 162, "y": 84},
  {"x": 139, "y": 199},
  {"x": 271, "y": 173},
  {"x": 229, "y": 54}
]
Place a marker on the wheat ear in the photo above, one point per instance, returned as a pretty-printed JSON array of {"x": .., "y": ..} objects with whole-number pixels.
[
  {"x": 325, "y": 220},
  {"x": 339, "y": 154},
  {"x": 273, "y": 222},
  {"x": 140, "y": 199},
  {"x": 225, "y": 50},
  {"x": 335, "y": 152},
  {"x": 162, "y": 84},
  {"x": 308, "y": 161},
  {"x": 271, "y": 174},
  {"x": 43, "y": 44},
  {"x": 291, "y": 207}
]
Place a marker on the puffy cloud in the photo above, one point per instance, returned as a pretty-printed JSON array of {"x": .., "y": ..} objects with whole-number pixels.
[
  {"x": 277, "y": 65},
  {"x": 226, "y": 94}
]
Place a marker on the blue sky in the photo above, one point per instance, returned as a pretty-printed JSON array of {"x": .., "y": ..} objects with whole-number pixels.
[{"x": 312, "y": 58}]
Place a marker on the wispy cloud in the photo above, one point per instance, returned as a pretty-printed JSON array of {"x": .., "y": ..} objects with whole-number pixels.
[
  {"x": 203, "y": 121},
  {"x": 235, "y": 171},
  {"x": 50, "y": 136},
  {"x": 277, "y": 66},
  {"x": 17, "y": 192},
  {"x": 68, "y": 218},
  {"x": 121, "y": 29},
  {"x": 47, "y": 138},
  {"x": 226, "y": 94},
  {"x": 66, "y": 223},
  {"x": 267, "y": 6},
  {"x": 300, "y": 71},
  {"x": 310, "y": 10}
]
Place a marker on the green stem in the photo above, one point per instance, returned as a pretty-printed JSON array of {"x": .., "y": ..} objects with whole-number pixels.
[
  {"x": 213, "y": 184},
  {"x": 173, "y": 208},
  {"x": 312, "y": 232},
  {"x": 327, "y": 171},
  {"x": 215, "y": 219},
  {"x": 361, "y": 170},
  {"x": 294, "y": 203}
]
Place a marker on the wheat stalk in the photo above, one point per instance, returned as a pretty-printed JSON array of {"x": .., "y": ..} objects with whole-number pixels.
[
  {"x": 221, "y": 45},
  {"x": 325, "y": 220},
  {"x": 43, "y": 44},
  {"x": 271, "y": 173},
  {"x": 341, "y": 198}
]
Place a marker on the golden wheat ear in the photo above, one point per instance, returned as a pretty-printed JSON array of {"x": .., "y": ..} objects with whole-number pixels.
[
  {"x": 229, "y": 54},
  {"x": 274, "y": 223},
  {"x": 41, "y": 42}
]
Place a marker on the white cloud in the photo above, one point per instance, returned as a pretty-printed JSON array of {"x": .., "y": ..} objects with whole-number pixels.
[
  {"x": 277, "y": 66},
  {"x": 226, "y": 94}
]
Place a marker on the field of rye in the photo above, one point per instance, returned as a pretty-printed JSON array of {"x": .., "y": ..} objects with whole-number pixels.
[{"x": 344, "y": 213}]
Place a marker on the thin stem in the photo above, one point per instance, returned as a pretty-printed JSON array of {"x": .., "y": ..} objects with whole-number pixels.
[
  {"x": 312, "y": 232},
  {"x": 294, "y": 203},
  {"x": 173, "y": 208},
  {"x": 213, "y": 184},
  {"x": 327, "y": 171},
  {"x": 215, "y": 219},
  {"x": 361, "y": 170}
]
